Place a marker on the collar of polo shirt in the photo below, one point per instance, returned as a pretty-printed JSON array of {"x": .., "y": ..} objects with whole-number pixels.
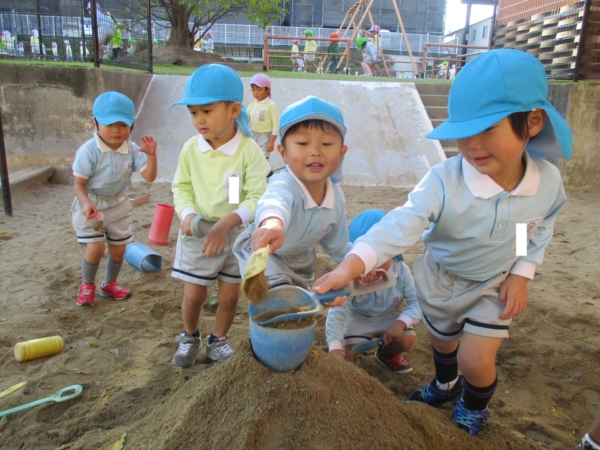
[
  {"x": 328, "y": 202},
  {"x": 123, "y": 149},
  {"x": 482, "y": 186},
  {"x": 229, "y": 148}
]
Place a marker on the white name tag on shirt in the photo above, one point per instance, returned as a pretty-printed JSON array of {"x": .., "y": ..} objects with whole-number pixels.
[
  {"x": 530, "y": 226},
  {"x": 233, "y": 184},
  {"x": 127, "y": 165}
]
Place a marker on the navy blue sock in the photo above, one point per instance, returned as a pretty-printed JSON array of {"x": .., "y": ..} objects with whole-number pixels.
[
  {"x": 211, "y": 338},
  {"x": 196, "y": 334},
  {"x": 446, "y": 366},
  {"x": 476, "y": 398}
]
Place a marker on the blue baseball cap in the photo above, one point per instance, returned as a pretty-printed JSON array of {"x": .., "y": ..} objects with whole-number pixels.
[
  {"x": 311, "y": 108},
  {"x": 215, "y": 83},
  {"x": 363, "y": 223},
  {"x": 496, "y": 84},
  {"x": 112, "y": 107}
]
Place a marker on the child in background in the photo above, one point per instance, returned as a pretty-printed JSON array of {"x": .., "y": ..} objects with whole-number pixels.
[
  {"x": 262, "y": 114},
  {"x": 301, "y": 207},
  {"x": 220, "y": 156},
  {"x": 309, "y": 51},
  {"x": 102, "y": 170},
  {"x": 297, "y": 62},
  {"x": 333, "y": 50},
  {"x": 368, "y": 316},
  {"x": 472, "y": 279},
  {"x": 209, "y": 46},
  {"x": 369, "y": 54}
]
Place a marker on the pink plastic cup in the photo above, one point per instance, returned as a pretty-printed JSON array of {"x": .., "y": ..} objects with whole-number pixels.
[{"x": 161, "y": 224}]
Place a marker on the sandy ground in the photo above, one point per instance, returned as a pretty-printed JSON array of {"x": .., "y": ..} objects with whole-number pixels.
[{"x": 549, "y": 378}]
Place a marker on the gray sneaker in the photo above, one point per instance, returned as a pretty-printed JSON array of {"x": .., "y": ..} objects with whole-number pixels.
[
  {"x": 219, "y": 350},
  {"x": 189, "y": 346}
]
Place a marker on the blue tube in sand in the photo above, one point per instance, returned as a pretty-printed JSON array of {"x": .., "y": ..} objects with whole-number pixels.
[{"x": 143, "y": 258}]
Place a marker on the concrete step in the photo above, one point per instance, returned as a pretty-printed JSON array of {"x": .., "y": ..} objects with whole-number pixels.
[
  {"x": 436, "y": 122},
  {"x": 28, "y": 177},
  {"x": 450, "y": 151},
  {"x": 434, "y": 100},
  {"x": 437, "y": 112},
  {"x": 441, "y": 88}
]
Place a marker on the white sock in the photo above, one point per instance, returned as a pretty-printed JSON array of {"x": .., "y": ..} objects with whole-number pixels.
[
  {"x": 590, "y": 441},
  {"x": 448, "y": 386}
]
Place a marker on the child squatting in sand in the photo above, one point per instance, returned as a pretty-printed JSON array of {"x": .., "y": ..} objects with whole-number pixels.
[
  {"x": 221, "y": 155},
  {"x": 471, "y": 281},
  {"x": 102, "y": 170}
]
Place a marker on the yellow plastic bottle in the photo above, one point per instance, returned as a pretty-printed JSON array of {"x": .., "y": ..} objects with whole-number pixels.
[{"x": 38, "y": 348}]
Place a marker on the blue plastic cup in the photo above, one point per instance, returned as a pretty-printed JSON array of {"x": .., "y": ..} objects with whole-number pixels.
[
  {"x": 282, "y": 350},
  {"x": 143, "y": 258}
]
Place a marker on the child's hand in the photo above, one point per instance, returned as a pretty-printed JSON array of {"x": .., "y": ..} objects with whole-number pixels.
[
  {"x": 149, "y": 145},
  {"x": 88, "y": 208},
  {"x": 513, "y": 293},
  {"x": 338, "y": 354},
  {"x": 215, "y": 239},
  {"x": 185, "y": 224},
  {"x": 270, "y": 146},
  {"x": 269, "y": 232},
  {"x": 393, "y": 335}
]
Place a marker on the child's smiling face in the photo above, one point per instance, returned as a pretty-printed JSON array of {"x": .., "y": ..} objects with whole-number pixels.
[
  {"x": 498, "y": 151},
  {"x": 312, "y": 153},
  {"x": 114, "y": 134}
]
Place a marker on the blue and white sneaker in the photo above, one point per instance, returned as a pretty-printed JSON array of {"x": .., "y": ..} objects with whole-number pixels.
[
  {"x": 434, "y": 396},
  {"x": 472, "y": 421}
]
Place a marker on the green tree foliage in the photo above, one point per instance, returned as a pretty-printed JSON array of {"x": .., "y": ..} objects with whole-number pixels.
[{"x": 204, "y": 13}]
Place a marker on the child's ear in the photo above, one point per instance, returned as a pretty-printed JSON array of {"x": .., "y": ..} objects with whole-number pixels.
[
  {"x": 236, "y": 109},
  {"x": 281, "y": 150},
  {"x": 344, "y": 149},
  {"x": 535, "y": 121}
]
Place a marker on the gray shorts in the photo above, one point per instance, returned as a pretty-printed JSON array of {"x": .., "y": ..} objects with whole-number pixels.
[
  {"x": 117, "y": 220},
  {"x": 452, "y": 305},
  {"x": 309, "y": 57},
  {"x": 262, "y": 139},
  {"x": 193, "y": 266},
  {"x": 369, "y": 60},
  {"x": 359, "y": 328},
  {"x": 297, "y": 270}
]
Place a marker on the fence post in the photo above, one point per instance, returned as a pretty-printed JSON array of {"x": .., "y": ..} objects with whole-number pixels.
[
  {"x": 95, "y": 42},
  {"x": 39, "y": 20},
  {"x": 150, "y": 64},
  {"x": 83, "y": 46},
  {"x": 266, "y": 54},
  {"x": 4, "y": 174}
]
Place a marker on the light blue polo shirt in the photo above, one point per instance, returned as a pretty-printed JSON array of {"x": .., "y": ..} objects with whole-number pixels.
[
  {"x": 469, "y": 222},
  {"x": 108, "y": 172},
  {"x": 306, "y": 224},
  {"x": 377, "y": 304}
]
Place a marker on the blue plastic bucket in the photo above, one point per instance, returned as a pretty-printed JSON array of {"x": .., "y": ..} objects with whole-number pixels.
[
  {"x": 281, "y": 350},
  {"x": 143, "y": 258}
]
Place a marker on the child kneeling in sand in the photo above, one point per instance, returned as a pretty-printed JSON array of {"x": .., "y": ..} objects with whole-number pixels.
[
  {"x": 220, "y": 156},
  {"x": 102, "y": 170},
  {"x": 302, "y": 207},
  {"x": 373, "y": 315},
  {"x": 485, "y": 217}
]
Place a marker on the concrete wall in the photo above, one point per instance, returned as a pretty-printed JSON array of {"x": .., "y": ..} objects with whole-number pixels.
[
  {"x": 584, "y": 118},
  {"x": 47, "y": 111}
]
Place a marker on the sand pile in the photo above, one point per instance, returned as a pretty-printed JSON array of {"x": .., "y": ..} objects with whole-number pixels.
[{"x": 326, "y": 404}]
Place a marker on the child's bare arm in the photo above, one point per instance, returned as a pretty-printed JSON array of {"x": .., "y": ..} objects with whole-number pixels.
[
  {"x": 513, "y": 293},
  {"x": 81, "y": 192},
  {"x": 149, "y": 148},
  {"x": 271, "y": 144}
]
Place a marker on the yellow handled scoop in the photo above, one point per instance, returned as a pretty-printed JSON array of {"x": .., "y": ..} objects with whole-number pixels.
[{"x": 254, "y": 283}]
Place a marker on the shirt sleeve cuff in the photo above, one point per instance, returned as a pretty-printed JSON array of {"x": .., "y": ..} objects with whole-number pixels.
[
  {"x": 367, "y": 253},
  {"x": 244, "y": 214},
  {"x": 80, "y": 175},
  {"x": 142, "y": 168},
  {"x": 267, "y": 213},
  {"x": 406, "y": 319},
  {"x": 186, "y": 212},
  {"x": 335, "y": 344},
  {"x": 524, "y": 268}
]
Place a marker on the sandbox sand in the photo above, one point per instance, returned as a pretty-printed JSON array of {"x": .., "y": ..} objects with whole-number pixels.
[{"x": 549, "y": 378}]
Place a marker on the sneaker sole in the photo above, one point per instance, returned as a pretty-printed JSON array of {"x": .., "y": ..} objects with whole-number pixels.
[
  {"x": 182, "y": 367},
  {"x": 85, "y": 304},
  {"x": 409, "y": 370},
  {"x": 105, "y": 295}
]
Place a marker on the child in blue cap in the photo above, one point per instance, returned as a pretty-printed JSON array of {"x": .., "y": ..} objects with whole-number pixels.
[
  {"x": 220, "y": 177},
  {"x": 302, "y": 207},
  {"x": 364, "y": 317},
  {"x": 102, "y": 170},
  {"x": 472, "y": 279}
]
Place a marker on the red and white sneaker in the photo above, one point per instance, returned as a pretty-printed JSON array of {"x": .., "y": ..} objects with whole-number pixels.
[
  {"x": 114, "y": 291},
  {"x": 395, "y": 363},
  {"x": 86, "y": 295}
]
